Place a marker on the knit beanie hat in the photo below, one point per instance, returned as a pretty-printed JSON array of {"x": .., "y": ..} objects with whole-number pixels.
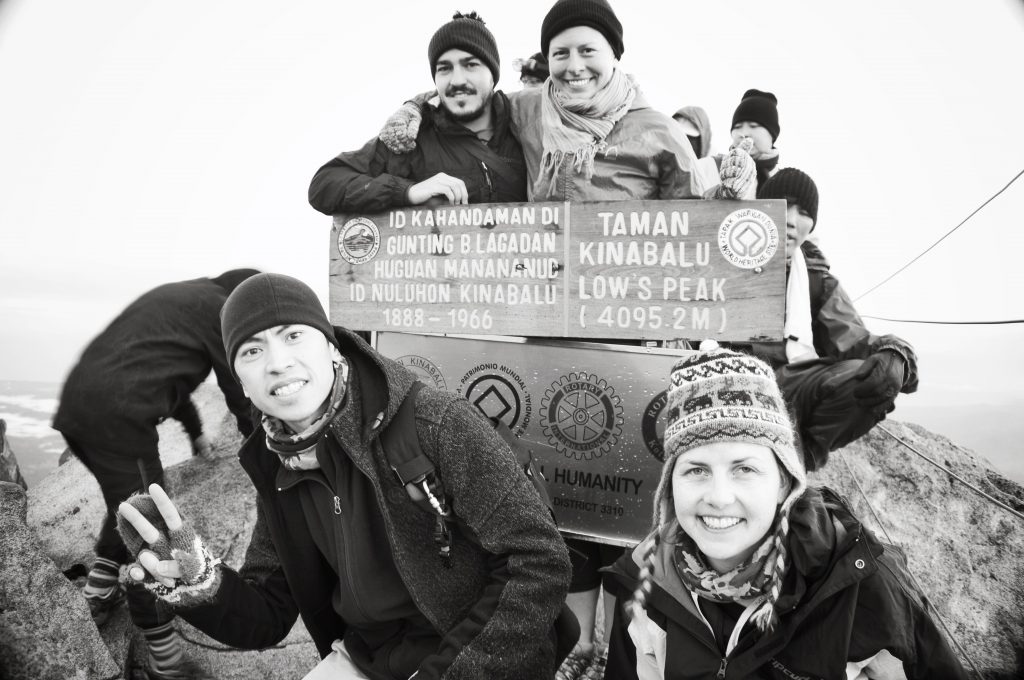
[
  {"x": 725, "y": 396},
  {"x": 230, "y": 279},
  {"x": 465, "y": 32},
  {"x": 536, "y": 66},
  {"x": 761, "y": 108},
  {"x": 265, "y": 301},
  {"x": 795, "y": 185},
  {"x": 597, "y": 14}
]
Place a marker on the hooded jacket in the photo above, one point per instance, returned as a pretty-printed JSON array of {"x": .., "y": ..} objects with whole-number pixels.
[
  {"x": 142, "y": 368},
  {"x": 493, "y": 608},
  {"x": 373, "y": 179},
  {"x": 846, "y": 598},
  {"x": 646, "y": 156},
  {"x": 697, "y": 117}
]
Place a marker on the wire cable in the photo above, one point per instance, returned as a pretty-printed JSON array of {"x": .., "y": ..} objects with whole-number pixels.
[
  {"x": 891, "y": 276},
  {"x": 954, "y": 475},
  {"x": 944, "y": 323}
]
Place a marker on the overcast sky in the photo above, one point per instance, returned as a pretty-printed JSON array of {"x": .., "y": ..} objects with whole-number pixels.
[{"x": 143, "y": 142}]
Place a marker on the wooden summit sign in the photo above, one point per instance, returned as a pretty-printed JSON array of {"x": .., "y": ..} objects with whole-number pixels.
[{"x": 652, "y": 270}]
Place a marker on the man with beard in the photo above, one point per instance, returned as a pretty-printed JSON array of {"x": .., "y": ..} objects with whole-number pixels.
[{"x": 465, "y": 150}]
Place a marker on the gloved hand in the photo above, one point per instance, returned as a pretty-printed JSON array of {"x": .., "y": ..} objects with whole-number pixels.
[
  {"x": 738, "y": 171},
  {"x": 176, "y": 555},
  {"x": 881, "y": 379},
  {"x": 400, "y": 130}
]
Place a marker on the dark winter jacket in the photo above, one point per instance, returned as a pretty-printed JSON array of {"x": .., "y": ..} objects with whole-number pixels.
[
  {"x": 373, "y": 179},
  {"x": 839, "y": 332},
  {"x": 846, "y": 597},
  {"x": 142, "y": 368},
  {"x": 494, "y": 607}
]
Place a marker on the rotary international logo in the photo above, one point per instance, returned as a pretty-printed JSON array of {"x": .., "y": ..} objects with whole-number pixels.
[
  {"x": 358, "y": 240},
  {"x": 581, "y": 416},
  {"x": 748, "y": 238}
]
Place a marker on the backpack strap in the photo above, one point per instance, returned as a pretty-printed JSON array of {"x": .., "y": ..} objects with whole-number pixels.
[
  {"x": 402, "y": 445},
  {"x": 415, "y": 471}
]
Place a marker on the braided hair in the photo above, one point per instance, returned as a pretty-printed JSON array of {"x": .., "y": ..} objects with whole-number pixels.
[{"x": 765, "y": 616}]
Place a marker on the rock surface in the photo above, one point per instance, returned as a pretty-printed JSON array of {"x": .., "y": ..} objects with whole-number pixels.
[
  {"x": 40, "y": 610},
  {"x": 9, "y": 470},
  {"x": 964, "y": 551},
  {"x": 66, "y": 510}
]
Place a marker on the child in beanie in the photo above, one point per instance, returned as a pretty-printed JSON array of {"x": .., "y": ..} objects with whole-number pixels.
[
  {"x": 746, "y": 569},
  {"x": 757, "y": 117}
]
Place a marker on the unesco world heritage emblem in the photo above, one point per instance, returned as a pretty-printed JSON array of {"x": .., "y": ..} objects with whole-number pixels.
[
  {"x": 500, "y": 394},
  {"x": 748, "y": 238},
  {"x": 358, "y": 240},
  {"x": 581, "y": 416}
]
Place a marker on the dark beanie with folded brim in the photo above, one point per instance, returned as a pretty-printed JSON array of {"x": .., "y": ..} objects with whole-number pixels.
[
  {"x": 597, "y": 14},
  {"x": 761, "y": 108},
  {"x": 266, "y": 301},
  {"x": 795, "y": 186},
  {"x": 466, "y": 32}
]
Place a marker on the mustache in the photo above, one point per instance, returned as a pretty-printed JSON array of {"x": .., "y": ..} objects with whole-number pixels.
[{"x": 453, "y": 90}]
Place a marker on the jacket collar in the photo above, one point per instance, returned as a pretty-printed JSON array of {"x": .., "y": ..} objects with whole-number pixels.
[
  {"x": 814, "y": 257},
  {"x": 501, "y": 117}
]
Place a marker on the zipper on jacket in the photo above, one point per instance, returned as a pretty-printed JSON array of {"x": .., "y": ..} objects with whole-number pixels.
[
  {"x": 337, "y": 505},
  {"x": 490, "y": 185},
  {"x": 721, "y": 669}
]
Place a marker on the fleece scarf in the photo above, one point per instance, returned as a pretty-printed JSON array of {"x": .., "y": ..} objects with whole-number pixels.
[
  {"x": 298, "y": 451},
  {"x": 747, "y": 581},
  {"x": 575, "y": 127}
]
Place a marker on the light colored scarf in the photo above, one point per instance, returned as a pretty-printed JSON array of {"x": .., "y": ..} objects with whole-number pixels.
[
  {"x": 577, "y": 128},
  {"x": 797, "y": 330},
  {"x": 297, "y": 451}
]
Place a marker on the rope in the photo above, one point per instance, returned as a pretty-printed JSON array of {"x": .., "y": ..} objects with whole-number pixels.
[
  {"x": 955, "y": 476},
  {"x": 927, "y": 600}
]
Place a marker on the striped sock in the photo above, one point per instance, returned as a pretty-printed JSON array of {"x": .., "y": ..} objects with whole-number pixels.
[
  {"x": 102, "y": 578},
  {"x": 165, "y": 653}
]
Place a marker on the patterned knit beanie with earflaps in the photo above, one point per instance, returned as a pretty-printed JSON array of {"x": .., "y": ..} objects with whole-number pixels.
[
  {"x": 725, "y": 396},
  {"x": 465, "y": 32}
]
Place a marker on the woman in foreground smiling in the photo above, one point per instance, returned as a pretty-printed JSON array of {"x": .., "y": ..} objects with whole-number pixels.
[{"x": 748, "y": 573}]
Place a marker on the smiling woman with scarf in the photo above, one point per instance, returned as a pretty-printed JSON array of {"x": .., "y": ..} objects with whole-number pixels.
[
  {"x": 598, "y": 138},
  {"x": 748, "y": 572}
]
